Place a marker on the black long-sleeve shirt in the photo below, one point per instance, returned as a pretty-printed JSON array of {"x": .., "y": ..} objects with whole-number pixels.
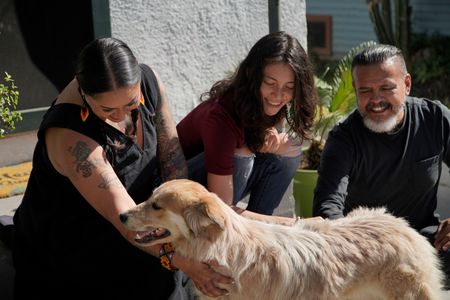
[{"x": 399, "y": 171}]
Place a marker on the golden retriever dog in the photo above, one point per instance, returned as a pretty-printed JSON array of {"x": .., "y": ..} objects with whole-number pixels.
[{"x": 367, "y": 255}]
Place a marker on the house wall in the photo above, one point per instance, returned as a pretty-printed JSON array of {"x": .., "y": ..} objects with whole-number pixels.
[
  {"x": 430, "y": 16},
  {"x": 351, "y": 23},
  {"x": 192, "y": 44}
]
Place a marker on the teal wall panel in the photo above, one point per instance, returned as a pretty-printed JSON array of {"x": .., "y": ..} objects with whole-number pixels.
[
  {"x": 430, "y": 16},
  {"x": 351, "y": 23}
]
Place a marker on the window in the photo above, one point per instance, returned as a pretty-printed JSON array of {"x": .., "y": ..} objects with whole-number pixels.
[{"x": 319, "y": 34}]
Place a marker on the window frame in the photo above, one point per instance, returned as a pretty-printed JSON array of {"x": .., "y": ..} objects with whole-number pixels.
[{"x": 327, "y": 21}]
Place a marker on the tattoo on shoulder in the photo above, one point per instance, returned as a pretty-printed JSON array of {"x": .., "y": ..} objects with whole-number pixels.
[
  {"x": 170, "y": 155},
  {"x": 160, "y": 123},
  {"x": 171, "y": 158},
  {"x": 80, "y": 151},
  {"x": 159, "y": 120}
]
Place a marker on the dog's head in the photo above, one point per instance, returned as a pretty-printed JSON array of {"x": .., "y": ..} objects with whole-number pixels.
[{"x": 177, "y": 209}]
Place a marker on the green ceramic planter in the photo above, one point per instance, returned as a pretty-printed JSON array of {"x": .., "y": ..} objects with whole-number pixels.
[{"x": 303, "y": 189}]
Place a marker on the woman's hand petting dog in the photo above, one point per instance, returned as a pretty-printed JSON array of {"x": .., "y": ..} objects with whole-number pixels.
[
  {"x": 292, "y": 221},
  {"x": 205, "y": 278},
  {"x": 442, "y": 242},
  {"x": 265, "y": 218},
  {"x": 282, "y": 220}
]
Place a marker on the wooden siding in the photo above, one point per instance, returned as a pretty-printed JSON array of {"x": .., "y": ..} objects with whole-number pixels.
[
  {"x": 351, "y": 23},
  {"x": 431, "y": 16}
]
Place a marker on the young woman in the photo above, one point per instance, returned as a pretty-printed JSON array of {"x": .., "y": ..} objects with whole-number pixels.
[
  {"x": 105, "y": 143},
  {"x": 233, "y": 141}
]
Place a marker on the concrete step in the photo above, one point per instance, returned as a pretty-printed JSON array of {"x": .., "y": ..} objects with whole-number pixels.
[{"x": 17, "y": 148}]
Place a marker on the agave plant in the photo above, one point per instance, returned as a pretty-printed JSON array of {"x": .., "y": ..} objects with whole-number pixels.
[
  {"x": 391, "y": 23},
  {"x": 337, "y": 101}
]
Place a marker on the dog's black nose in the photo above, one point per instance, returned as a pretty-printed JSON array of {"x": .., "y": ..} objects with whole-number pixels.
[{"x": 123, "y": 218}]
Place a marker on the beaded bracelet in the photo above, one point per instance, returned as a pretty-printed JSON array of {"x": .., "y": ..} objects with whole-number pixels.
[{"x": 165, "y": 256}]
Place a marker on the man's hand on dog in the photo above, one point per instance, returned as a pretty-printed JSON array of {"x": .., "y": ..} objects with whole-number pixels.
[
  {"x": 205, "y": 277},
  {"x": 442, "y": 242}
]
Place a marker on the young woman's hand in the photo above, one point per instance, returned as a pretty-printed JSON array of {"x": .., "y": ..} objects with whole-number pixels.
[
  {"x": 272, "y": 141},
  {"x": 280, "y": 143},
  {"x": 282, "y": 220},
  {"x": 289, "y": 146}
]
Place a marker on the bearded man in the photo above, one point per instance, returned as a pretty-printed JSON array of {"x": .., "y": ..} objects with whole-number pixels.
[{"x": 388, "y": 152}]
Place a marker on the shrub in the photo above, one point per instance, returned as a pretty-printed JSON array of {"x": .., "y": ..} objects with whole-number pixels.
[{"x": 9, "y": 97}]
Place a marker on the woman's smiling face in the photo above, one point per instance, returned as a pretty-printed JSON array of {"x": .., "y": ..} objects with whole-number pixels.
[
  {"x": 277, "y": 87},
  {"x": 115, "y": 105}
]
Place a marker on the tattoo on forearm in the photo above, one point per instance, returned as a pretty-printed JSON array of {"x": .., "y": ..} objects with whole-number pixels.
[
  {"x": 170, "y": 155},
  {"x": 172, "y": 161},
  {"x": 81, "y": 153},
  {"x": 109, "y": 180}
]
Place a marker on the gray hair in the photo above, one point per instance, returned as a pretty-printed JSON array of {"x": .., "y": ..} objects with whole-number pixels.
[{"x": 378, "y": 54}]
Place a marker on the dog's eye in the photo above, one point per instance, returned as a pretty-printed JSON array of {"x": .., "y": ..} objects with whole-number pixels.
[{"x": 155, "y": 206}]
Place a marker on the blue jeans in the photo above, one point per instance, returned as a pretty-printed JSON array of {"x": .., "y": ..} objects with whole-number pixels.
[{"x": 264, "y": 176}]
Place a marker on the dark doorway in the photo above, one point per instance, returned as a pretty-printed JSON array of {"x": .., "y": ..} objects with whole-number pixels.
[{"x": 54, "y": 32}]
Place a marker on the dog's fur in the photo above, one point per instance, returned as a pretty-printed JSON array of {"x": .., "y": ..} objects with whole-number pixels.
[{"x": 367, "y": 255}]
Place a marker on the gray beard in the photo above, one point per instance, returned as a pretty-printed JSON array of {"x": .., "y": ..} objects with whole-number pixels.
[{"x": 386, "y": 126}]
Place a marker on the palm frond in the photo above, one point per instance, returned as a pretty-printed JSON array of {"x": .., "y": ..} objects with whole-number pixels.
[
  {"x": 341, "y": 82},
  {"x": 337, "y": 101}
]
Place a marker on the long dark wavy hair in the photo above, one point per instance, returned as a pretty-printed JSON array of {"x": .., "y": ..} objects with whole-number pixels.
[{"x": 244, "y": 88}]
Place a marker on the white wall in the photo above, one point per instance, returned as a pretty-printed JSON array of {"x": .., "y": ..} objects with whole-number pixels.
[{"x": 192, "y": 44}]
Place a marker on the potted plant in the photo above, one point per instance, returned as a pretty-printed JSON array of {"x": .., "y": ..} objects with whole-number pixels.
[
  {"x": 9, "y": 97},
  {"x": 336, "y": 101}
]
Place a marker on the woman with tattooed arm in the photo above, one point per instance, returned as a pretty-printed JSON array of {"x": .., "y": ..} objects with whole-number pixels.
[{"x": 105, "y": 143}]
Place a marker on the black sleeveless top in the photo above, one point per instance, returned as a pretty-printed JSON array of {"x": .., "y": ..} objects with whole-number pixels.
[{"x": 61, "y": 237}]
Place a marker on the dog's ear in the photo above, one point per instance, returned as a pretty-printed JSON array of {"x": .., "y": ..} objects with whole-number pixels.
[{"x": 201, "y": 215}]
